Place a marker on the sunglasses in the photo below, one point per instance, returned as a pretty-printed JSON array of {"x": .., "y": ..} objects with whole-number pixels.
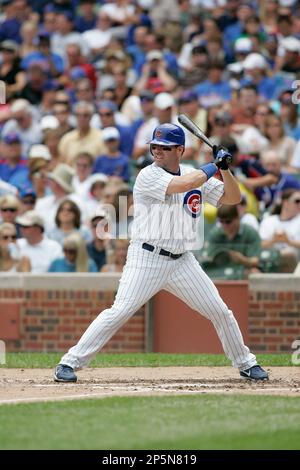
[
  {"x": 8, "y": 237},
  {"x": 28, "y": 201},
  {"x": 105, "y": 114},
  {"x": 83, "y": 115},
  {"x": 70, "y": 251},
  {"x": 163, "y": 147},
  {"x": 225, "y": 221},
  {"x": 8, "y": 209}
]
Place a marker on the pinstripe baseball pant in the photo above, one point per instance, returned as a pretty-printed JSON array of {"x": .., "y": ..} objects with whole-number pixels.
[{"x": 146, "y": 273}]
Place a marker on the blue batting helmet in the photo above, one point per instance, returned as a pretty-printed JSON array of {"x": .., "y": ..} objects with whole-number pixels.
[{"x": 168, "y": 134}]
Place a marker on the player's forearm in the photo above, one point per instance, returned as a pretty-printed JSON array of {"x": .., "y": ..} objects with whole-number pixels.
[
  {"x": 232, "y": 193},
  {"x": 182, "y": 184}
]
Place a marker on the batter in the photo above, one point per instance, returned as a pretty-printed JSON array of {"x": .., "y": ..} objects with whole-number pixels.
[{"x": 167, "y": 202}]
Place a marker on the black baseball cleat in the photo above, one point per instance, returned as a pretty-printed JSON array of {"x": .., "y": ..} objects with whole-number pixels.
[
  {"x": 254, "y": 373},
  {"x": 64, "y": 373}
]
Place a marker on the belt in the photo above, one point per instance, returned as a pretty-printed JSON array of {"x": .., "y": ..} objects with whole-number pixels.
[{"x": 162, "y": 252}]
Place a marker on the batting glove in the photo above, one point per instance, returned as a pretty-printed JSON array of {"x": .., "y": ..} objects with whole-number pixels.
[{"x": 222, "y": 157}]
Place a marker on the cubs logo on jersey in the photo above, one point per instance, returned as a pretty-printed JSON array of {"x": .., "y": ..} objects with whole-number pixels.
[{"x": 192, "y": 202}]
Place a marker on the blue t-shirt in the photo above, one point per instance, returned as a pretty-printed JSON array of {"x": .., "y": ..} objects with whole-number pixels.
[
  {"x": 112, "y": 166},
  {"x": 38, "y": 56},
  {"x": 17, "y": 176},
  {"x": 61, "y": 265}
]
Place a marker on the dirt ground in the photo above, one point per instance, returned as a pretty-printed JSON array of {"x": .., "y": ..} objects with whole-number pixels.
[{"x": 37, "y": 385}]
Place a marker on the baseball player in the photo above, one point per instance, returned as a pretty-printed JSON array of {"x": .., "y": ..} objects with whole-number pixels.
[{"x": 159, "y": 257}]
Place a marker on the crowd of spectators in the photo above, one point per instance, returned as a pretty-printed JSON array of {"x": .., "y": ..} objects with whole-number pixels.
[{"x": 83, "y": 84}]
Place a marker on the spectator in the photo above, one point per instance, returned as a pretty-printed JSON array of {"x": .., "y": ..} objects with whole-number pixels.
[
  {"x": 289, "y": 114},
  {"x": 86, "y": 18},
  {"x": 43, "y": 53},
  {"x": 97, "y": 247},
  {"x": 283, "y": 145},
  {"x": 27, "y": 197},
  {"x": 35, "y": 245},
  {"x": 60, "y": 182},
  {"x": 245, "y": 216},
  {"x": 273, "y": 166},
  {"x": 281, "y": 230},
  {"x": 98, "y": 183},
  {"x": 83, "y": 170},
  {"x": 9, "y": 208},
  {"x": 13, "y": 169},
  {"x": 75, "y": 257},
  {"x": 24, "y": 124},
  {"x": 214, "y": 90},
  {"x": 113, "y": 162},
  {"x": 10, "y": 259},
  {"x": 195, "y": 69},
  {"x": 38, "y": 165},
  {"x": 255, "y": 66},
  {"x": 155, "y": 76},
  {"x": 62, "y": 112},
  {"x": 110, "y": 117},
  {"x": 99, "y": 38},
  {"x": 10, "y": 70},
  {"x": 68, "y": 221},
  {"x": 83, "y": 138},
  {"x": 240, "y": 241},
  {"x": 118, "y": 260},
  {"x": 243, "y": 114}
]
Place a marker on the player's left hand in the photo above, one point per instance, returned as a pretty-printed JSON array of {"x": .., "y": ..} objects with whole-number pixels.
[{"x": 222, "y": 157}]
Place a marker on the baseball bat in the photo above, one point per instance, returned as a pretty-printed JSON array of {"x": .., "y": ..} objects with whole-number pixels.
[{"x": 194, "y": 129}]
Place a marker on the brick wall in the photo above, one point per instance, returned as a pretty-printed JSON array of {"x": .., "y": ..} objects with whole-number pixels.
[
  {"x": 274, "y": 312},
  {"x": 51, "y": 313}
]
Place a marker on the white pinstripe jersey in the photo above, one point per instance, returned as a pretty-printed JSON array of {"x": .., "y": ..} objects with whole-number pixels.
[{"x": 170, "y": 221}]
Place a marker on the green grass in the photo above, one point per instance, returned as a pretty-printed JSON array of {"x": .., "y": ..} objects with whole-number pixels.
[
  {"x": 177, "y": 422},
  {"x": 48, "y": 360}
]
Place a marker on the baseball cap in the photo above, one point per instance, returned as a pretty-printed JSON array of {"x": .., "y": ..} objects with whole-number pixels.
[
  {"x": 154, "y": 55},
  {"x": 29, "y": 219},
  {"x": 146, "y": 95},
  {"x": 110, "y": 133},
  {"x": 77, "y": 73},
  {"x": 12, "y": 138},
  {"x": 9, "y": 45},
  {"x": 107, "y": 104},
  {"x": 27, "y": 191},
  {"x": 290, "y": 43},
  {"x": 200, "y": 49},
  {"x": 255, "y": 61},
  {"x": 243, "y": 45},
  {"x": 187, "y": 96},
  {"x": 39, "y": 151},
  {"x": 49, "y": 122},
  {"x": 99, "y": 213},
  {"x": 97, "y": 178},
  {"x": 164, "y": 100}
]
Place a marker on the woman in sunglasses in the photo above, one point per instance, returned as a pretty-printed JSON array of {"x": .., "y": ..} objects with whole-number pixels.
[
  {"x": 10, "y": 259},
  {"x": 281, "y": 230},
  {"x": 76, "y": 259}
]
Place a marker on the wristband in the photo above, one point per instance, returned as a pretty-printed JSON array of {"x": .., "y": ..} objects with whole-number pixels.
[{"x": 210, "y": 169}]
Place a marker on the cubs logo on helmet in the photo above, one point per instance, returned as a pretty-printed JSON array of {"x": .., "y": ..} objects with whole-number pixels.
[{"x": 192, "y": 203}]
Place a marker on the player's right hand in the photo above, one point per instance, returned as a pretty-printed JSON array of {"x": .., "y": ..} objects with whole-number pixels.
[{"x": 222, "y": 157}]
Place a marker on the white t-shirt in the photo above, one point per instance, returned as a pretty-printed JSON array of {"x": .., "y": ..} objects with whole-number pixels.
[
  {"x": 41, "y": 255},
  {"x": 272, "y": 225},
  {"x": 172, "y": 222}
]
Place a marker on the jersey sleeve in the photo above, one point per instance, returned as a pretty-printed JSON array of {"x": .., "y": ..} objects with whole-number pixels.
[
  {"x": 153, "y": 182},
  {"x": 212, "y": 191}
]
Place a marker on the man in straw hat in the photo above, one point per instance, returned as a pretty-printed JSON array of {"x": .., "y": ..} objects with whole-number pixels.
[{"x": 60, "y": 183}]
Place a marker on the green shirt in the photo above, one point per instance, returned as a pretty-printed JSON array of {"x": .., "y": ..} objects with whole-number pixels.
[{"x": 246, "y": 241}]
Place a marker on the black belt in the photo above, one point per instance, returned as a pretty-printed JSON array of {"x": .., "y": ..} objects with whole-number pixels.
[{"x": 162, "y": 252}]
